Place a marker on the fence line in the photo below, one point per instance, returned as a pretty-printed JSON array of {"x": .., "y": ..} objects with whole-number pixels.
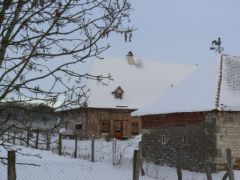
[{"x": 33, "y": 139}]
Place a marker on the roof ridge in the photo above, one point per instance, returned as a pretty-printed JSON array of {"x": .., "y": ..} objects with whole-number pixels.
[{"x": 219, "y": 84}]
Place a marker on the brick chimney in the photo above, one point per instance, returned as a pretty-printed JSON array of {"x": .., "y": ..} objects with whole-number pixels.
[{"x": 130, "y": 58}]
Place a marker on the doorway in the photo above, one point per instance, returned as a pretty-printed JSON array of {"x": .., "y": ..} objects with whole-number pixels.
[{"x": 118, "y": 129}]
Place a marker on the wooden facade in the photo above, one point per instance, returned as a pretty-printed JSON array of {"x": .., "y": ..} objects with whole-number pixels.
[{"x": 101, "y": 122}]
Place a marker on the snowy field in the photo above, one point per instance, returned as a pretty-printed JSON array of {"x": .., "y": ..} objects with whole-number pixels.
[{"x": 49, "y": 166}]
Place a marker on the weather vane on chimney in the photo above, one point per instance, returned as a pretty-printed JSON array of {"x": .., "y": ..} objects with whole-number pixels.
[{"x": 216, "y": 46}]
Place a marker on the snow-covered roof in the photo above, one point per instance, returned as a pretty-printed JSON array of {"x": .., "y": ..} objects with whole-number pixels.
[
  {"x": 213, "y": 86},
  {"x": 141, "y": 82}
]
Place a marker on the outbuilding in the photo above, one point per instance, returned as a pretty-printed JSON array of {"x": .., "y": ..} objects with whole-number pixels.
[{"x": 196, "y": 120}]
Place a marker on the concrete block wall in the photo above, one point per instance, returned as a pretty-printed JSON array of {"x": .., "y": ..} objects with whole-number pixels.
[
  {"x": 188, "y": 136},
  {"x": 228, "y": 135}
]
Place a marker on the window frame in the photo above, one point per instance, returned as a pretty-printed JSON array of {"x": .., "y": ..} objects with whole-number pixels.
[
  {"x": 105, "y": 127},
  {"x": 135, "y": 128}
]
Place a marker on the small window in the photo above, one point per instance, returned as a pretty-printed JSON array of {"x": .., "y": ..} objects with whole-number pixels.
[
  {"x": 105, "y": 126},
  {"x": 118, "y": 93},
  {"x": 164, "y": 139},
  {"x": 78, "y": 126},
  {"x": 135, "y": 128}
]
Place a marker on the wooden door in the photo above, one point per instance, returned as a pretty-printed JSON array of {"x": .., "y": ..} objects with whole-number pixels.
[{"x": 118, "y": 129}]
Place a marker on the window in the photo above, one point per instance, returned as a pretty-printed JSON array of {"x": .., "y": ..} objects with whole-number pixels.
[
  {"x": 118, "y": 127},
  {"x": 78, "y": 126},
  {"x": 135, "y": 128},
  {"x": 105, "y": 126},
  {"x": 118, "y": 93},
  {"x": 164, "y": 139}
]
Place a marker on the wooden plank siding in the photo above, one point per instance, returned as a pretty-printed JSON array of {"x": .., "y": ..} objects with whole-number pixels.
[{"x": 91, "y": 119}]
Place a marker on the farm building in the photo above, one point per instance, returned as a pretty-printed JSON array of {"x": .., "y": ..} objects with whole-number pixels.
[
  {"x": 196, "y": 120},
  {"x": 108, "y": 108}
]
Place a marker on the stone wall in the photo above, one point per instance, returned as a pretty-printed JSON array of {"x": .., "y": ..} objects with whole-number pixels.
[
  {"x": 228, "y": 135},
  {"x": 187, "y": 137}
]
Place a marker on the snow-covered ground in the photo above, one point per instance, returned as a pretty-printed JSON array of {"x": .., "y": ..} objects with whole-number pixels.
[{"x": 53, "y": 167}]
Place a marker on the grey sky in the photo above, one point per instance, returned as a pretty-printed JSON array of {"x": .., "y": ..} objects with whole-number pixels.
[{"x": 181, "y": 30}]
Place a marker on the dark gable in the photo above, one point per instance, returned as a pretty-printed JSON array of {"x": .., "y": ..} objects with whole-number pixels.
[{"x": 118, "y": 93}]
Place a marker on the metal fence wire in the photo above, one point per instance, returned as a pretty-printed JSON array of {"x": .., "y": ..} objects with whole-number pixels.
[
  {"x": 65, "y": 167},
  {"x": 83, "y": 170},
  {"x": 67, "y": 170}
]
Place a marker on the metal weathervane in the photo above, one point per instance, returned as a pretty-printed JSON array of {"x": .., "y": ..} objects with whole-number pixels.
[{"x": 216, "y": 46}]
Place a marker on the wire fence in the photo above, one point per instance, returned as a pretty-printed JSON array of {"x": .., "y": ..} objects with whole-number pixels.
[
  {"x": 67, "y": 170},
  {"x": 83, "y": 170},
  {"x": 112, "y": 161}
]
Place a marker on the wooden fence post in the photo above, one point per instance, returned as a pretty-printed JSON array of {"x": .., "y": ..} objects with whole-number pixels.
[
  {"x": 76, "y": 145},
  {"x": 229, "y": 164},
  {"x": 8, "y": 137},
  {"x": 141, "y": 161},
  {"x": 225, "y": 176},
  {"x": 92, "y": 149},
  {"x": 37, "y": 138},
  {"x": 11, "y": 165},
  {"x": 59, "y": 144},
  {"x": 28, "y": 136},
  {"x": 114, "y": 149},
  {"x": 179, "y": 167},
  {"x": 208, "y": 170},
  {"x": 136, "y": 165}
]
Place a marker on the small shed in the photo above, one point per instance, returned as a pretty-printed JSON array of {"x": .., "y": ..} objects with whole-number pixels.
[{"x": 197, "y": 119}]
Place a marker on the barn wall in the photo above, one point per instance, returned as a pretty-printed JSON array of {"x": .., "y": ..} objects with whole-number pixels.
[
  {"x": 90, "y": 118},
  {"x": 188, "y": 137},
  {"x": 96, "y": 115},
  {"x": 71, "y": 118}
]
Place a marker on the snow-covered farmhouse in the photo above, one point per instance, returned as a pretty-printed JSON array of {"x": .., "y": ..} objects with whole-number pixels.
[
  {"x": 196, "y": 120},
  {"x": 135, "y": 83}
]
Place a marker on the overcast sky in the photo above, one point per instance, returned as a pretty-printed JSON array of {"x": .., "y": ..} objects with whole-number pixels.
[{"x": 181, "y": 31}]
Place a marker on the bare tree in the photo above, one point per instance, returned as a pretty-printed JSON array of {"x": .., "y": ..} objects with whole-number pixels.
[
  {"x": 43, "y": 44},
  {"x": 45, "y": 40}
]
